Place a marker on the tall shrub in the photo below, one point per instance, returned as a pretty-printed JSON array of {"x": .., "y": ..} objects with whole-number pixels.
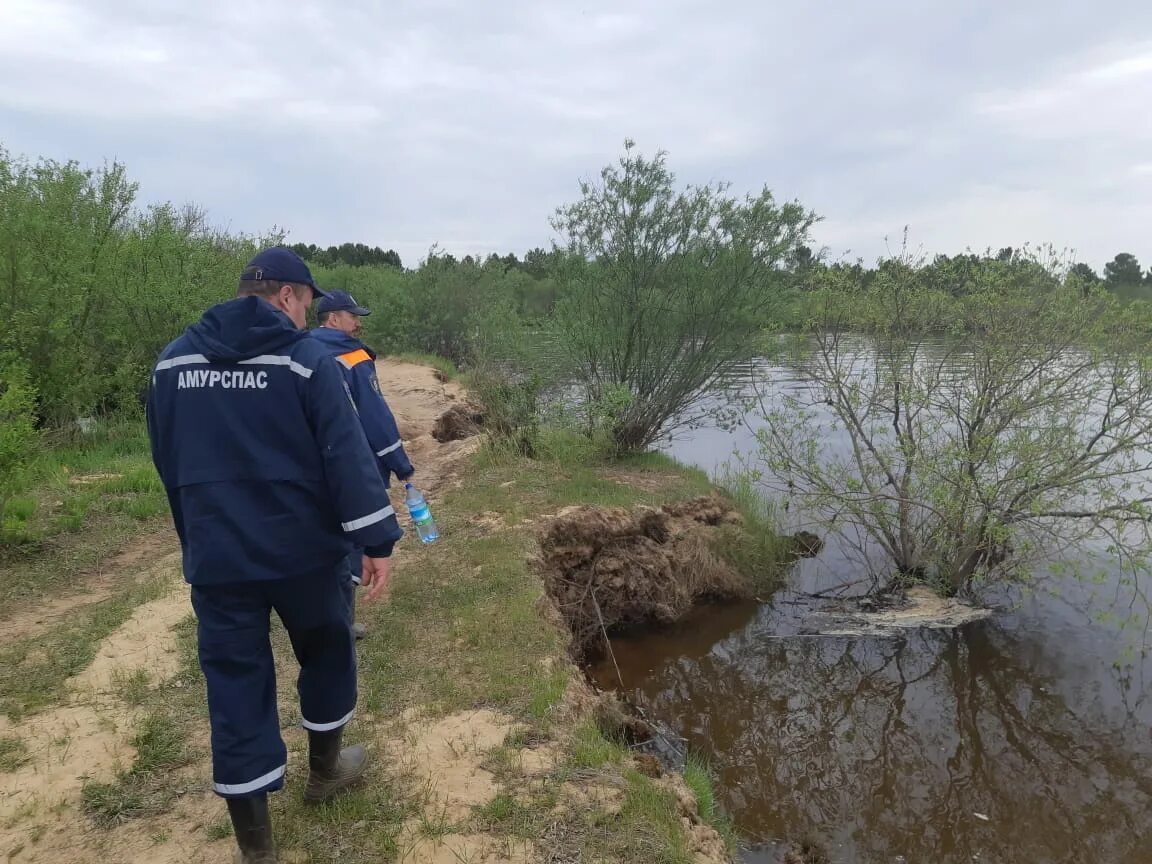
[{"x": 664, "y": 289}]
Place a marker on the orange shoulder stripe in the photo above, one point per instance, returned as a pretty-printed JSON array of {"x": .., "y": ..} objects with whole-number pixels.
[{"x": 352, "y": 358}]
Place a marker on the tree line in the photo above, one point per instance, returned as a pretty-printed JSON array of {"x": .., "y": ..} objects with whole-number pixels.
[
  {"x": 350, "y": 254},
  {"x": 91, "y": 278},
  {"x": 650, "y": 294}
]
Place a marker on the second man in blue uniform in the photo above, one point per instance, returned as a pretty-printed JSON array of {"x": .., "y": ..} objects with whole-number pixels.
[{"x": 338, "y": 316}]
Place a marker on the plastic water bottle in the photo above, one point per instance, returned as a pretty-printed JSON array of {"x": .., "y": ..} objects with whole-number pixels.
[{"x": 421, "y": 514}]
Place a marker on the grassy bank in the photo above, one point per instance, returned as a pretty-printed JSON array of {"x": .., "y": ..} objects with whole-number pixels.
[
  {"x": 441, "y": 364},
  {"x": 72, "y": 504},
  {"x": 73, "y": 507},
  {"x": 464, "y": 631}
]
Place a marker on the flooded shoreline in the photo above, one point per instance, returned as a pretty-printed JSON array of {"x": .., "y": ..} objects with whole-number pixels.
[
  {"x": 939, "y": 745},
  {"x": 1023, "y": 736}
]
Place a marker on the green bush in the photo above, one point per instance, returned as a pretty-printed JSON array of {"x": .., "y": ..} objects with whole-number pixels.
[
  {"x": 665, "y": 289},
  {"x": 89, "y": 280},
  {"x": 18, "y": 434},
  {"x": 512, "y": 407}
]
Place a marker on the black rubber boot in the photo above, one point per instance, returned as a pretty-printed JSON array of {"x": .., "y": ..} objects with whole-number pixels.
[
  {"x": 253, "y": 829},
  {"x": 330, "y": 769}
]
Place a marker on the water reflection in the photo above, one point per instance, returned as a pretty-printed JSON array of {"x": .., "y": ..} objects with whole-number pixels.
[{"x": 876, "y": 748}]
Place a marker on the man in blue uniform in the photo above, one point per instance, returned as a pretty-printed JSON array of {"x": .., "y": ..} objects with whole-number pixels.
[
  {"x": 338, "y": 315},
  {"x": 271, "y": 483}
]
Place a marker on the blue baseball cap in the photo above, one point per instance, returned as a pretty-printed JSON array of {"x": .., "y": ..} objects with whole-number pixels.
[
  {"x": 340, "y": 301},
  {"x": 280, "y": 264}
]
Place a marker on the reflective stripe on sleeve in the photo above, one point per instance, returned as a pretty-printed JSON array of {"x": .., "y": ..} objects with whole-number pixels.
[
  {"x": 370, "y": 519},
  {"x": 388, "y": 450}
]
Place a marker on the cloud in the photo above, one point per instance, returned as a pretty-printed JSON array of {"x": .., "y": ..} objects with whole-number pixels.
[
  {"x": 1104, "y": 96},
  {"x": 411, "y": 123}
]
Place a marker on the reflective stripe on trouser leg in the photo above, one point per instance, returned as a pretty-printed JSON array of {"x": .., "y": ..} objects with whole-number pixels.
[
  {"x": 317, "y": 615},
  {"x": 248, "y": 754},
  {"x": 356, "y": 565}
]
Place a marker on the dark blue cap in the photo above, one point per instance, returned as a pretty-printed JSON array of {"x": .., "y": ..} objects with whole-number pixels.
[
  {"x": 340, "y": 301},
  {"x": 279, "y": 264}
]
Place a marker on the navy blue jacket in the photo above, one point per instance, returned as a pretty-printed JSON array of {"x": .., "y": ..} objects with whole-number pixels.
[
  {"x": 357, "y": 361},
  {"x": 255, "y": 437}
]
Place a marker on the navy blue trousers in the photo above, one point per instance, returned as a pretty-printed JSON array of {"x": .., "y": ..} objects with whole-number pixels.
[
  {"x": 248, "y": 754},
  {"x": 356, "y": 565}
]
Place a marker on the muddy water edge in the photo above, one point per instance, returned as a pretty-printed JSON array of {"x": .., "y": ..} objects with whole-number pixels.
[{"x": 1024, "y": 737}]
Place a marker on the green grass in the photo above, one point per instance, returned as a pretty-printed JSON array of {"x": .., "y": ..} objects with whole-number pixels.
[
  {"x": 109, "y": 804},
  {"x": 646, "y": 826},
  {"x": 648, "y": 822},
  {"x": 699, "y": 778},
  {"x": 435, "y": 361},
  {"x": 221, "y": 829},
  {"x": 159, "y": 744},
  {"x": 73, "y": 505},
  {"x": 147, "y": 788},
  {"x": 638, "y": 822},
  {"x": 547, "y": 691},
  {"x": 662, "y": 462},
  {"x": 507, "y": 816},
  {"x": 443, "y": 640},
  {"x": 756, "y": 548},
  {"x": 591, "y": 749},
  {"x": 152, "y": 784},
  {"x": 33, "y": 672},
  {"x": 360, "y": 826},
  {"x": 132, "y": 687},
  {"x": 13, "y": 754}
]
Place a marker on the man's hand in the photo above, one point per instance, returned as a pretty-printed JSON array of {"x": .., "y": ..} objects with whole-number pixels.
[{"x": 376, "y": 577}]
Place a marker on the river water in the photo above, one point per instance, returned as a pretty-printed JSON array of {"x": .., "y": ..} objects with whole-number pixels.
[{"x": 1021, "y": 738}]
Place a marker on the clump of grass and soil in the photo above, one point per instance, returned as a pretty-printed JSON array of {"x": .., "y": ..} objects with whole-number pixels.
[
  {"x": 607, "y": 568},
  {"x": 612, "y": 568},
  {"x": 459, "y": 422},
  {"x": 143, "y": 789}
]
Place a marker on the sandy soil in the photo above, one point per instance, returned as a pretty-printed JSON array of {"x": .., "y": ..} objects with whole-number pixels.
[
  {"x": 441, "y": 763},
  {"x": 418, "y": 398},
  {"x": 85, "y": 589}
]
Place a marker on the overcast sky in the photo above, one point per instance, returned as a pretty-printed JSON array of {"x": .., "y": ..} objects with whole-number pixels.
[{"x": 403, "y": 124}]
